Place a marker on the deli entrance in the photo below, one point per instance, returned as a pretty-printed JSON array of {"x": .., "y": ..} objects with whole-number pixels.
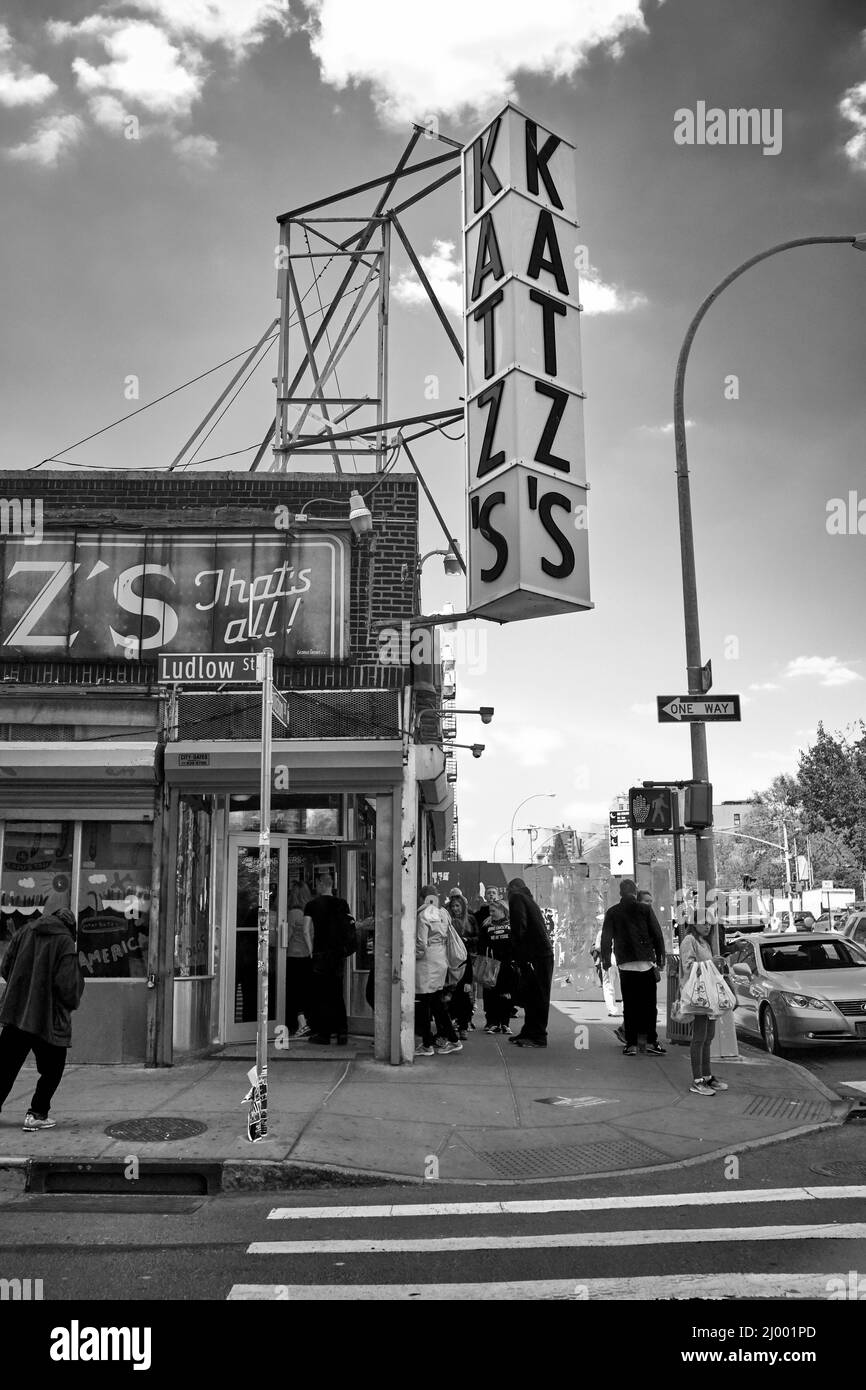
[{"x": 294, "y": 864}]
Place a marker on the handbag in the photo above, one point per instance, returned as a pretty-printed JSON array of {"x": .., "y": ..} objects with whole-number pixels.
[
  {"x": 455, "y": 950},
  {"x": 485, "y": 971}
]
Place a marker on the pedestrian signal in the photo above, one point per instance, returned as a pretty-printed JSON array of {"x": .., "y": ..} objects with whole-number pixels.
[
  {"x": 650, "y": 809},
  {"x": 699, "y": 805}
]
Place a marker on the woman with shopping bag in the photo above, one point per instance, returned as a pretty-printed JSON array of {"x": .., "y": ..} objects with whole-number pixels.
[{"x": 704, "y": 996}]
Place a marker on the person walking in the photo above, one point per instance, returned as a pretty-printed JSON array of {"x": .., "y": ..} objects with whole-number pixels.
[
  {"x": 431, "y": 970},
  {"x": 299, "y": 962},
  {"x": 631, "y": 931},
  {"x": 461, "y": 1004},
  {"x": 332, "y": 931},
  {"x": 695, "y": 946},
  {"x": 608, "y": 979},
  {"x": 44, "y": 984},
  {"x": 533, "y": 954}
]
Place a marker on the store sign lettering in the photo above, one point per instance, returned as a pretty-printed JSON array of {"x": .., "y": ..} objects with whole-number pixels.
[
  {"x": 124, "y": 595},
  {"x": 528, "y": 548}
]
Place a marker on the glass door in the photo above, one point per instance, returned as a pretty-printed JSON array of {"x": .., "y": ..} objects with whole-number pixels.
[{"x": 240, "y": 975}]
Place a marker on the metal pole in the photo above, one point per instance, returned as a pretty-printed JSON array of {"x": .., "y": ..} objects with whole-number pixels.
[
  {"x": 700, "y": 769},
  {"x": 382, "y": 353},
  {"x": 267, "y": 675}
]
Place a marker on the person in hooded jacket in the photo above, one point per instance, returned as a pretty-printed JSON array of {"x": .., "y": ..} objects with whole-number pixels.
[
  {"x": 631, "y": 930},
  {"x": 460, "y": 996},
  {"x": 44, "y": 985},
  {"x": 534, "y": 956}
]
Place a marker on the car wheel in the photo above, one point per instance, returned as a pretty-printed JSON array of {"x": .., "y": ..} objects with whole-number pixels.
[{"x": 770, "y": 1032}]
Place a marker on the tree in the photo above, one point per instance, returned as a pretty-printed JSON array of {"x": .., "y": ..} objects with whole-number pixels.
[{"x": 832, "y": 781}]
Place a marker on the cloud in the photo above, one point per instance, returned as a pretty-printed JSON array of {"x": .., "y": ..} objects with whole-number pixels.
[
  {"x": 852, "y": 107},
  {"x": 828, "y": 669},
  {"x": 597, "y": 297},
  {"x": 198, "y": 150},
  {"x": 764, "y": 685},
  {"x": 235, "y": 24},
  {"x": 52, "y": 138},
  {"x": 458, "y": 57},
  {"x": 530, "y": 746},
  {"x": 19, "y": 84},
  {"x": 445, "y": 274},
  {"x": 145, "y": 69},
  {"x": 667, "y": 428}
]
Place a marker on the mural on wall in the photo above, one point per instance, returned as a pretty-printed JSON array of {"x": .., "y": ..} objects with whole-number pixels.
[{"x": 136, "y": 594}]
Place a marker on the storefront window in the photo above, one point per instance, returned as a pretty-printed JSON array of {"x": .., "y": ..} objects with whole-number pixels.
[
  {"x": 114, "y": 899},
  {"x": 192, "y": 930},
  {"x": 319, "y": 817},
  {"x": 37, "y": 873}
]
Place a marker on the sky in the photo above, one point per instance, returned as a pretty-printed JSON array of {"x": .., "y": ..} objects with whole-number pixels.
[{"x": 146, "y": 148}]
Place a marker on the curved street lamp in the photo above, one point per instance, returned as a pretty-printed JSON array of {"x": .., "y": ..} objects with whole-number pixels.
[
  {"x": 700, "y": 771},
  {"x": 517, "y": 808}
]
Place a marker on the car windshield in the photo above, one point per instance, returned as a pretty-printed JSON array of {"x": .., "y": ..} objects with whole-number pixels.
[{"x": 798, "y": 956}]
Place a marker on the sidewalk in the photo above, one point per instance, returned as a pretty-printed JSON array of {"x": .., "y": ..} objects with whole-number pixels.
[{"x": 493, "y": 1112}]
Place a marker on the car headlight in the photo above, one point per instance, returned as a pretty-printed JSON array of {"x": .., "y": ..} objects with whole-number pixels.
[{"x": 806, "y": 1001}]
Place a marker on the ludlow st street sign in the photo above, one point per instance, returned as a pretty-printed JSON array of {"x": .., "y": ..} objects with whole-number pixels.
[{"x": 528, "y": 546}]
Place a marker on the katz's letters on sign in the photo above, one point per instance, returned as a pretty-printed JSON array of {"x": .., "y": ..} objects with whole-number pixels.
[{"x": 528, "y": 549}]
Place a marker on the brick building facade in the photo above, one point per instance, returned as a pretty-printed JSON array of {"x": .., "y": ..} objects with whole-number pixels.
[{"x": 136, "y": 804}]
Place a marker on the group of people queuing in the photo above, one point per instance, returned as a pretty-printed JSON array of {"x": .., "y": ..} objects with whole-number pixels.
[
  {"x": 631, "y": 955},
  {"x": 507, "y": 955}
]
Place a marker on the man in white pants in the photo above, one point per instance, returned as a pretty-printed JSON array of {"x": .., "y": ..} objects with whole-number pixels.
[{"x": 609, "y": 982}]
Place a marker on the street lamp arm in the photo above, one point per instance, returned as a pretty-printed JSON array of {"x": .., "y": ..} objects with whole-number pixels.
[
  {"x": 758, "y": 841},
  {"x": 680, "y": 379}
]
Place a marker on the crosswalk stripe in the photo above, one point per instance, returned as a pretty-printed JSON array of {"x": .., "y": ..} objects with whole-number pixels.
[
  {"x": 728, "y": 1197},
  {"x": 562, "y": 1240},
  {"x": 644, "y": 1287}
]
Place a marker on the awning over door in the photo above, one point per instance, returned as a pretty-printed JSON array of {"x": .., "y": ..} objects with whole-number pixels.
[
  {"x": 342, "y": 764},
  {"x": 74, "y": 778}
]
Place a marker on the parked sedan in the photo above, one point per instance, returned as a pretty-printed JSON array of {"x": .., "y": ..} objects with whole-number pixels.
[
  {"x": 799, "y": 989},
  {"x": 854, "y": 927}
]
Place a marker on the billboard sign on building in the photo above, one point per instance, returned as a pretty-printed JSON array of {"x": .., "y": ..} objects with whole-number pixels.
[
  {"x": 528, "y": 540},
  {"x": 118, "y": 594}
]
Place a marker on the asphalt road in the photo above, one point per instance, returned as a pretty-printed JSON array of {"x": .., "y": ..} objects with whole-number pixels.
[{"x": 651, "y": 1237}]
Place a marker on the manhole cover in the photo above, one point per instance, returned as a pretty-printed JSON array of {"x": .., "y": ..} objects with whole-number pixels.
[
  {"x": 156, "y": 1129},
  {"x": 840, "y": 1168},
  {"x": 567, "y": 1159},
  {"x": 782, "y": 1108}
]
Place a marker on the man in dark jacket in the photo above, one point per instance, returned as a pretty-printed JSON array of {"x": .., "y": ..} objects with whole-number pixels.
[
  {"x": 43, "y": 985},
  {"x": 632, "y": 930},
  {"x": 534, "y": 954},
  {"x": 334, "y": 939}
]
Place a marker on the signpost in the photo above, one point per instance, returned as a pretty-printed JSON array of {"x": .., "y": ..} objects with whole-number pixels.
[
  {"x": 621, "y": 844},
  {"x": 224, "y": 668},
  {"x": 692, "y": 709},
  {"x": 528, "y": 546}
]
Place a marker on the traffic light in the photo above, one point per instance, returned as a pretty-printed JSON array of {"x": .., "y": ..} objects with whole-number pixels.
[
  {"x": 650, "y": 809},
  {"x": 699, "y": 805}
]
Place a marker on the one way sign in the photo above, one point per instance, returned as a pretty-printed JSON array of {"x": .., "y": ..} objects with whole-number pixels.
[{"x": 691, "y": 709}]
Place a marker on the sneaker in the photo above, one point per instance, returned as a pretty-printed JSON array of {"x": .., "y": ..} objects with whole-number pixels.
[
  {"x": 701, "y": 1088},
  {"x": 629, "y": 1051},
  {"x": 528, "y": 1042},
  {"x": 619, "y": 1033},
  {"x": 450, "y": 1047},
  {"x": 33, "y": 1122},
  {"x": 656, "y": 1050},
  {"x": 492, "y": 1028},
  {"x": 425, "y": 1052},
  {"x": 716, "y": 1084}
]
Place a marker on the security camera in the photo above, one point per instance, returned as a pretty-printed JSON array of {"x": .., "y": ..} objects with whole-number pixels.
[
  {"x": 477, "y": 750},
  {"x": 486, "y": 712}
]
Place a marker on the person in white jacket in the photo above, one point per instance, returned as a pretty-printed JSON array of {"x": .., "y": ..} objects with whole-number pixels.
[
  {"x": 609, "y": 981},
  {"x": 431, "y": 970}
]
